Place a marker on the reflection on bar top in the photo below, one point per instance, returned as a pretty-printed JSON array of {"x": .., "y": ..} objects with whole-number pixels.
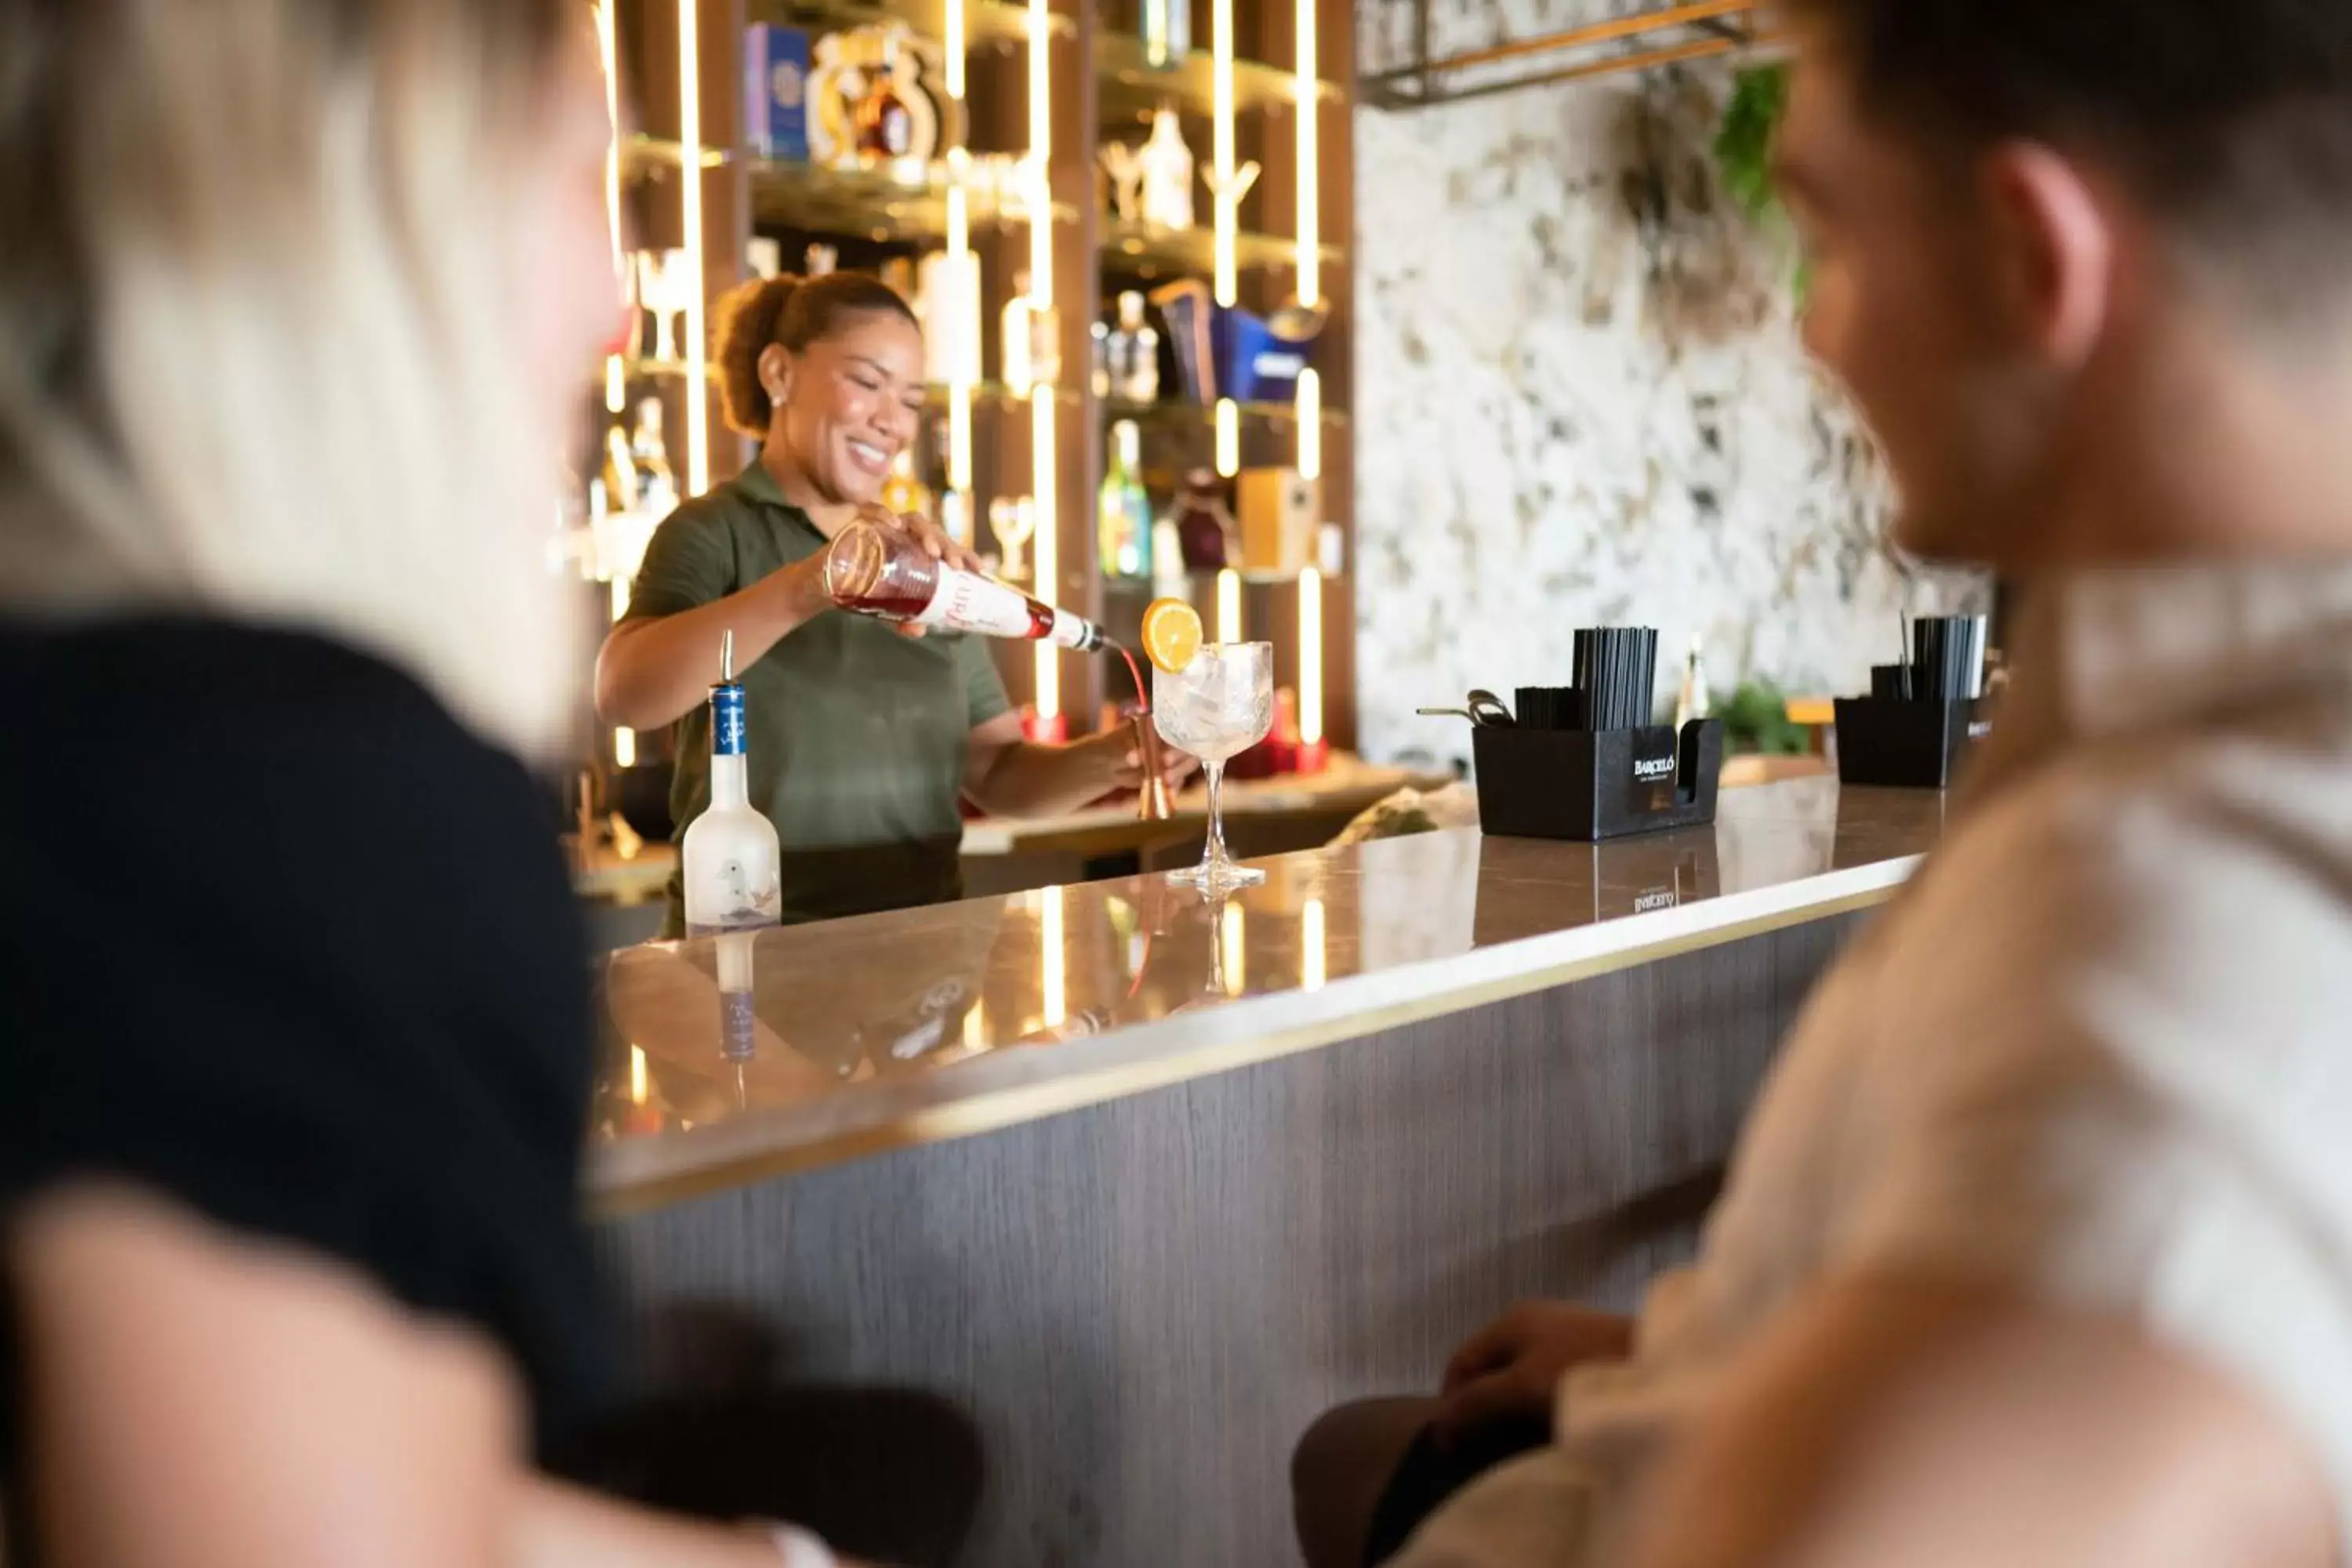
[{"x": 935, "y": 1022}]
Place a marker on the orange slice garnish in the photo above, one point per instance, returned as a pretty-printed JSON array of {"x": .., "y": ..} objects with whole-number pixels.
[{"x": 1171, "y": 634}]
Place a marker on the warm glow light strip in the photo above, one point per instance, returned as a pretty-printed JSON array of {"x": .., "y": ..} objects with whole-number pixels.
[
  {"x": 1220, "y": 36},
  {"x": 1049, "y": 960},
  {"x": 1310, "y": 655},
  {"x": 616, "y": 397},
  {"x": 1314, "y": 959},
  {"x": 1041, "y": 152},
  {"x": 959, "y": 261},
  {"x": 1229, "y": 437},
  {"x": 1311, "y": 425},
  {"x": 1048, "y": 546},
  {"x": 1236, "y": 960},
  {"x": 697, "y": 366},
  {"x": 1310, "y": 217},
  {"x": 624, "y": 748},
  {"x": 1043, "y": 471},
  {"x": 1229, "y": 605},
  {"x": 637, "y": 1075}
]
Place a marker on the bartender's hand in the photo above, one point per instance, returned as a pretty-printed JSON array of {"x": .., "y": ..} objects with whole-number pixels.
[
  {"x": 934, "y": 540},
  {"x": 1512, "y": 1367},
  {"x": 1175, "y": 766}
]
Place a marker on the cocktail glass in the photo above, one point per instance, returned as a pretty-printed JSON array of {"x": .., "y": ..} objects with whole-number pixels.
[{"x": 1216, "y": 708}]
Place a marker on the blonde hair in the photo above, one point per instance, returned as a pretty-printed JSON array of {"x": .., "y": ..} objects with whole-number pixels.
[{"x": 251, "y": 329}]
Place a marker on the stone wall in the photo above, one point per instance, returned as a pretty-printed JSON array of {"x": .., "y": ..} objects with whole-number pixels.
[{"x": 1582, "y": 401}]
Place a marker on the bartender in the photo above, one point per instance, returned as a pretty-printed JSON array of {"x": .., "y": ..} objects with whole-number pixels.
[{"x": 862, "y": 733}]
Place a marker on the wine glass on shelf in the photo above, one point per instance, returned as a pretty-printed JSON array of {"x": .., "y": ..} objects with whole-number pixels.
[
  {"x": 665, "y": 286},
  {"x": 1013, "y": 519},
  {"x": 1217, "y": 707}
]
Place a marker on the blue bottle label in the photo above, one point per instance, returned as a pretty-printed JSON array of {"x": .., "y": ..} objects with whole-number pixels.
[{"x": 727, "y": 721}]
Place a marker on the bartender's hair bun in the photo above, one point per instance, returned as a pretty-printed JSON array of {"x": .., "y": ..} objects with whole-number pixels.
[{"x": 794, "y": 312}]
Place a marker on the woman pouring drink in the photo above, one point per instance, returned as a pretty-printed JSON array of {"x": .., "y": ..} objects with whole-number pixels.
[{"x": 864, "y": 733}]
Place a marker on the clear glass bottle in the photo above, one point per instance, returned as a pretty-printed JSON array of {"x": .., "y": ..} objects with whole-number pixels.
[
  {"x": 729, "y": 861},
  {"x": 1135, "y": 352},
  {"x": 877, "y": 570},
  {"x": 649, "y": 454},
  {"x": 1167, "y": 33},
  {"x": 1123, "y": 508},
  {"x": 1016, "y": 337}
]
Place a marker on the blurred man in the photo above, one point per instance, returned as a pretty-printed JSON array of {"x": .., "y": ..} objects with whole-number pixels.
[{"x": 2039, "y": 1247}]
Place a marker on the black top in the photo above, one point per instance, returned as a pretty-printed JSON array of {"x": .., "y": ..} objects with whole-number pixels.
[{"x": 282, "y": 941}]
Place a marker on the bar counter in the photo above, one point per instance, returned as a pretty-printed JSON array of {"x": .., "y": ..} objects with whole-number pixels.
[
  {"x": 931, "y": 1023},
  {"x": 1143, "y": 1182}
]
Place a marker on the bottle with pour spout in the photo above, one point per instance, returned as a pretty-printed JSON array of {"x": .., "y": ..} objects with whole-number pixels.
[
  {"x": 876, "y": 569},
  {"x": 730, "y": 863}
]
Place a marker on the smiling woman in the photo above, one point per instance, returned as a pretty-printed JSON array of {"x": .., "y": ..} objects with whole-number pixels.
[{"x": 862, "y": 734}]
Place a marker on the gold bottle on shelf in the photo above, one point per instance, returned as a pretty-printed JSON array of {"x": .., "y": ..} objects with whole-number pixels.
[
  {"x": 885, "y": 125},
  {"x": 903, "y": 492}
]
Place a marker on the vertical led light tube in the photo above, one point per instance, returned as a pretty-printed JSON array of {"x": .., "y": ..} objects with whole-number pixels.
[
  {"x": 697, "y": 332},
  {"x": 1229, "y": 605},
  {"x": 958, "y": 260},
  {"x": 1310, "y": 217},
  {"x": 1310, "y": 655},
  {"x": 615, "y": 390},
  {"x": 1047, "y": 544}
]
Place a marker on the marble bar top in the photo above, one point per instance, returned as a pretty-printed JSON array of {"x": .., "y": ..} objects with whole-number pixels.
[{"x": 846, "y": 1038}]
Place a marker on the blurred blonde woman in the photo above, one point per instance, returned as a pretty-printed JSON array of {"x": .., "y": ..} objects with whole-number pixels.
[{"x": 295, "y": 296}]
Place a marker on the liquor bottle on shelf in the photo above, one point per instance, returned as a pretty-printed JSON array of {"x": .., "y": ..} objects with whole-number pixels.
[
  {"x": 1017, "y": 338},
  {"x": 1134, "y": 353},
  {"x": 1167, "y": 33},
  {"x": 875, "y": 569},
  {"x": 885, "y": 125},
  {"x": 1167, "y": 166},
  {"x": 1204, "y": 524},
  {"x": 1123, "y": 509},
  {"x": 729, "y": 861},
  {"x": 903, "y": 492},
  {"x": 1032, "y": 343},
  {"x": 657, "y": 487},
  {"x": 620, "y": 471}
]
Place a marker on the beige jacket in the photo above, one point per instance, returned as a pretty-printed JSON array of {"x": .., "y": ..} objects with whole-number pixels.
[{"x": 2100, "y": 1051}]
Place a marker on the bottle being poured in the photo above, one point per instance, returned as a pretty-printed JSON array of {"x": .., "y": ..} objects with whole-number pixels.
[
  {"x": 729, "y": 862},
  {"x": 877, "y": 568}
]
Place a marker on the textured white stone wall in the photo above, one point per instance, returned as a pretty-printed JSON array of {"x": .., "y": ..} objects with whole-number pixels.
[{"x": 1581, "y": 400}]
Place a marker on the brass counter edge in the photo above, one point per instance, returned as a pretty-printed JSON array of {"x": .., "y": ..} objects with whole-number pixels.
[{"x": 993, "y": 1110}]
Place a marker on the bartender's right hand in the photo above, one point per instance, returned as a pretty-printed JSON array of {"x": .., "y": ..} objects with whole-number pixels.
[{"x": 932, "y": 538}]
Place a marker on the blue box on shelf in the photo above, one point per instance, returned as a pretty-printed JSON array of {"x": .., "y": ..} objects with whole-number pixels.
[
  {"x": 776, "y": 91},
  {"x": 1256, "y": 360}
]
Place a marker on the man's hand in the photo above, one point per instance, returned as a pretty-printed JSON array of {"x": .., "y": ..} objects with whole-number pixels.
[{"x": 1512, "y": 1366}]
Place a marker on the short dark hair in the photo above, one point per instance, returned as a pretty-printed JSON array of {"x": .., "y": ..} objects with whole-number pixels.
[
  {"x": 794, "y": 312},
  {"x": 2232, "y": 122}
]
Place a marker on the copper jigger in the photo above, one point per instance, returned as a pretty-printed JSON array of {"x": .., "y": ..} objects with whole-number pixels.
[{"x": 1151, "y": 801}]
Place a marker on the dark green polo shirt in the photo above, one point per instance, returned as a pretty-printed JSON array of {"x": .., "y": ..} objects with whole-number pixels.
[{"x": 857, "y": 736}]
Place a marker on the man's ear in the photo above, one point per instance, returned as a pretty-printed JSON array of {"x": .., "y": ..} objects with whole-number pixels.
[{"x": 2052, "y": 251}]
